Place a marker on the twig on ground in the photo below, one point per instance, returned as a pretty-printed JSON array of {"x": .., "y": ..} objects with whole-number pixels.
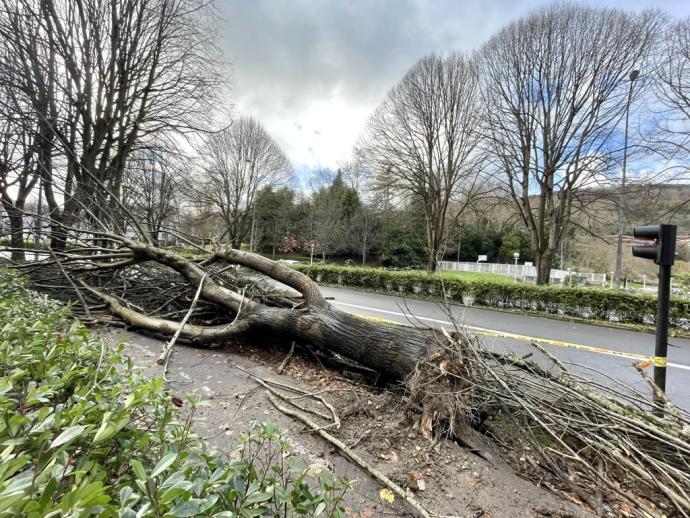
[
  {"x": 383, "y": 479},
  {"x": 287, "y": 359},
  {"x": 167, "y": 349},
  {"x": 315, "y": 395}
]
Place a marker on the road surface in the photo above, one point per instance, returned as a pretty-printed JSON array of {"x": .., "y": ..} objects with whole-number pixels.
[{"x": 609, "y": 350}]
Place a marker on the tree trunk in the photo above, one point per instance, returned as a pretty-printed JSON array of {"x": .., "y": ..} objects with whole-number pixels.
[
  {"x": 543, "y": 268},
  {"x": 16, "y": 233},
  {"x": 392, "y": 351},
  {"x": 433, "y": 241}
]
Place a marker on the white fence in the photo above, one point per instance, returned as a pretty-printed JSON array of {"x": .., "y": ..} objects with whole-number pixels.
[{"x": 522, "y": 272}]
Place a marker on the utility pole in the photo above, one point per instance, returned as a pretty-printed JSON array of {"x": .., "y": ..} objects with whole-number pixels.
[
  {"x": 459, "y": 242},
  {"x": 621, "y": 197}
]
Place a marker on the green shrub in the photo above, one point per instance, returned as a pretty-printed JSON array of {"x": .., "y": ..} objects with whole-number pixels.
[
  {"x": 591, "y": 303},
  {"x": 84, "y": 434}
]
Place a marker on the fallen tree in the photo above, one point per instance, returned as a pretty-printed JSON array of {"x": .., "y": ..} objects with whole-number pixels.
[
  {"x": 603, "y": 442},
  {"x": 140, "y": 283}
]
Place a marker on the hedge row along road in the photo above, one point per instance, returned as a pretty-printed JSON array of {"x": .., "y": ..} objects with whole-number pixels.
[
  {"x": 596, "y": 304},
  {"x": 610, "y": 350}
]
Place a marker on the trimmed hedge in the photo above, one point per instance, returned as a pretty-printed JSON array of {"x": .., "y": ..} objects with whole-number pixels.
[{"x": 615, "y": 306}]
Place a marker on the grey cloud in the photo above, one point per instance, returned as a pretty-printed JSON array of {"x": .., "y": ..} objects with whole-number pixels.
[{"x": 289, "y": 54}]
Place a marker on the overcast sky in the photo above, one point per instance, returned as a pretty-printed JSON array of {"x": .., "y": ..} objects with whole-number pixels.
[{"x": 313, "y": 70}]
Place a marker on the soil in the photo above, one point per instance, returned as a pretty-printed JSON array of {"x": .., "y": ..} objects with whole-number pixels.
[{"x": 447, "y": 478}]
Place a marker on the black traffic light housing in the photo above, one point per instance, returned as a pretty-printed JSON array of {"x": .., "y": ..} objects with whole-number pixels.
[{"x": 663, "y": 252}]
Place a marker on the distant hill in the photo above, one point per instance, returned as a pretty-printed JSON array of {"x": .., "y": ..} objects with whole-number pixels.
[
  {"x": 649, "y": 204},
  {"x": 644, "y": 204},
  {"x": 666, "y": 203}
]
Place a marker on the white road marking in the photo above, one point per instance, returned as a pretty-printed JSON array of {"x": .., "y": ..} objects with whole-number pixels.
[{"x": 598, "y": 350}]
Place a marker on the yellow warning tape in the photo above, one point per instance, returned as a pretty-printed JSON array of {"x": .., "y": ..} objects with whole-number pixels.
[
  {"x": 377, "y": 319},
  {"x": 658, "y": 361}
]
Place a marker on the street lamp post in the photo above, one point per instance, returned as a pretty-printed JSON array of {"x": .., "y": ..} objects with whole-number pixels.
[
  {"x": 621, "y": 200},
  {"x": 459, "y": 243},
  {"x": 516, "y": 256}
]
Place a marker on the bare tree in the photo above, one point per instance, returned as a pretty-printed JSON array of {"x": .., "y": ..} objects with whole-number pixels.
[
  {"x": 326, "y": 228},
  {"x": 151, "y": 188},
  {"x": 671, "y": 137},
  {"x": 18, "y": 174},
  {"x": 555, "y": 85},
  {"x": 421, "y": 141},
  {"x": 365, "y": 229},
  {"x": 102, "y": 78},
  {"x": 238, "y": 163},
  {"x": 356, "y": 173}
]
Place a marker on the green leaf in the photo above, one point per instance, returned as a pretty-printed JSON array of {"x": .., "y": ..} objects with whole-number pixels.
[
  {"x": 163, "y": 464},
  {"x": 208, "y": 502},
  {"x": 67, "y": 435},
  {"x": 127, "y": 496},
  {"x": 138, "y": 468},
  {"x": 101, "y": 430},
  {"x": 190, "y": 508},
  {"x": 5, "y": 386},
  {"x": 257, "y": 497},
  {"x": 170, "y": 494}
]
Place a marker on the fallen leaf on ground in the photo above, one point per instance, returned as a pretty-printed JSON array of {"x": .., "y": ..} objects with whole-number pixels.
[
  {"x": 387, "y": 495},
  {"x": 390, "y": 456}
]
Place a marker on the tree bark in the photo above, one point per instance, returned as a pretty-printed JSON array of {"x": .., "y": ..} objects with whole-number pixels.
[
  {"x": 543, "y": 268},
  {"x": 16, "y": 233}
]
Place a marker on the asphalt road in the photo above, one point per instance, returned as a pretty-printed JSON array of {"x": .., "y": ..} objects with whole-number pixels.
[{"x": 608, "y": 350}]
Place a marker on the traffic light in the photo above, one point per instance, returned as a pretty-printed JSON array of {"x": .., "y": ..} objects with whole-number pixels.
[{"x": 663, "y": 252}]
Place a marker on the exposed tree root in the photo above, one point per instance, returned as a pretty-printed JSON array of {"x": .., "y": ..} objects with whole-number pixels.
[{"x": 601, "y": 441}]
